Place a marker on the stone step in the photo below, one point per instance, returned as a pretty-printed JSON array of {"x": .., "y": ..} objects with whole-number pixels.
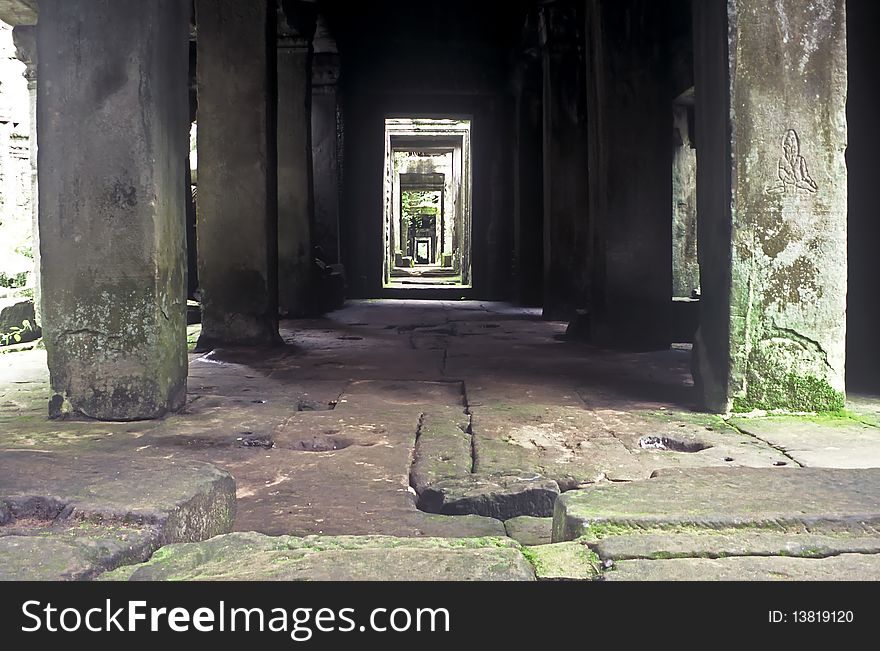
[
  {"x": 250, "y": 556},
  {"x": 816, "y": 500}
]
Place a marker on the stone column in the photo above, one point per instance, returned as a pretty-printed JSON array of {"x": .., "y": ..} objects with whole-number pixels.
[
  {"x": 527, "y": 177},
  {"x": 325, "y": 143},
  {"x": 295, "y": 203},
  {"x": 25, "y": 38},
  {"x": 566, "y": 225},
  {"x": 112, "y": 119},
  {"x": 237, "y": 220},
  {"x": 772, "y": 203},
  {"x": 630, "y": 181}
]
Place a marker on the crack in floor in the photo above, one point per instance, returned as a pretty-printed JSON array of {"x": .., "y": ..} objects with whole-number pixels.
[
  {"x": 415, "y": 449},
  {"x": 778, "y": 448},
  {"x": 469, "y": 430}
]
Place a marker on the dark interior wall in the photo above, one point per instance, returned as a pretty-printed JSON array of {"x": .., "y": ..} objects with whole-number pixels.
[
  {"x": 630, "y": 66},
  {"x": 863, "y": 306},
  {"x": 403, "y": 58}
]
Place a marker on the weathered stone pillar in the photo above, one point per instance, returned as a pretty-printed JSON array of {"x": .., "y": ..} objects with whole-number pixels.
[
  {"x": 112, "y": 118},
  {"x": 295, "y": 203},
  {"x": 566, "y": 224},
  {"x": 25, "y": 38},
  {"x": 772, "y": 199},
  {"x": 630, "y": 180},
  {"x": 237, "y": 220},
  {"x": 326, "y": 143}
]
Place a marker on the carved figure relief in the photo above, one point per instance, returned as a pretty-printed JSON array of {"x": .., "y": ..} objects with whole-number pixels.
[{"x": 792, "y": 169}]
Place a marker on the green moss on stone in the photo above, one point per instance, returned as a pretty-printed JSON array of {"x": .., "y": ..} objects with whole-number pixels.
[
  {"x": 565, "y": 560},
  {"x": 791, "y": 392}
]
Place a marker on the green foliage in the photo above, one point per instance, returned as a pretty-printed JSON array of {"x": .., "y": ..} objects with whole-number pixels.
[
  {"x": 417, "y": 203},
  {"x": 15, "y": 335},
  {"x": 18, "y": 280},
  {"x": 26, "y": 251}
]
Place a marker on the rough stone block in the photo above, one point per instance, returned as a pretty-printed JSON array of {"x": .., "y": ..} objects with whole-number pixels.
[
  {"x": 255, "y": 557},
  {"x": 494, "y": 496},
  {"x": 529, "y": 530}
]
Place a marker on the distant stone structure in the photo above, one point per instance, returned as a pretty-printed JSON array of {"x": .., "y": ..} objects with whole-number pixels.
[{"x": 15, "y": 170}]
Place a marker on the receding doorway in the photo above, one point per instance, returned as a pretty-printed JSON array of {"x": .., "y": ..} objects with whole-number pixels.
[{"x": 427, "y": 197}]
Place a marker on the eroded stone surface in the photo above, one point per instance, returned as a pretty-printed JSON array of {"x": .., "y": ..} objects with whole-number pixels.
[
  {"x": 320, "y": 434},
  {"x": 255, "y": 557}
]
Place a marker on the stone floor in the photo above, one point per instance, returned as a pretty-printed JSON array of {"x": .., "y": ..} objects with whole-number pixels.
[{"x": 452, "y": 421}]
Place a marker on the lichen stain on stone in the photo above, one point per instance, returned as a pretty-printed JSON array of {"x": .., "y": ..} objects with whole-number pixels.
[
  {"x": 775, "y": 240},
  {"x": 123, "y": 195},
  {"x": 794, "y": 284}
]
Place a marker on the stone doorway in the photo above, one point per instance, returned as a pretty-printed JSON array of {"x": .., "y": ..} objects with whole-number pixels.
[{"x": 427, "y": 197}]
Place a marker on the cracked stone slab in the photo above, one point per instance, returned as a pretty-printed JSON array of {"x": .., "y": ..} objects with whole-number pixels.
[
  {"x": 719, "y": 544},
  {"x": 494, "y": 496},
  {"x": 185, "y": 500},
  {"x": 812, "y": 499},
  {"x": 846, "y": 567},
  {"x": 567, "y": 444},
  {"x": 72, "y": 552},
  {"x": 691, "y": 440},
  {"x": 529, "y": 530},
  {"x": 825, "y": 443},
  {"x": 256, "y": 557}
]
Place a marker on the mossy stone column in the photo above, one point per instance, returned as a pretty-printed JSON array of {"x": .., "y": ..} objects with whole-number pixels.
[
  {"x": 772, "y": 203},
  {"x": 112, "y": 121},
  {"x": 237, "y": 211}
]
